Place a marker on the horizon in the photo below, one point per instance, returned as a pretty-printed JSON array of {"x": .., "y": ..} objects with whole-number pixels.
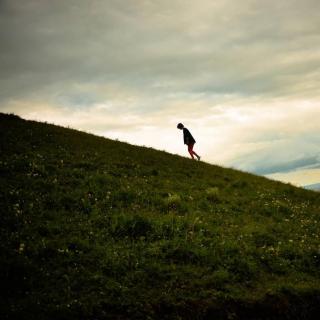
[{"x": 242, "y": 77}]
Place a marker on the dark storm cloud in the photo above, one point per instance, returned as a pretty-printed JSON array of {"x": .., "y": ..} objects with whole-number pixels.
[{"x": 287, "y": 166}]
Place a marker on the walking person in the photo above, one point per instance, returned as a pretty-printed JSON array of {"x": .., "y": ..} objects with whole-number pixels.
[{"x": 188, "y": 140}]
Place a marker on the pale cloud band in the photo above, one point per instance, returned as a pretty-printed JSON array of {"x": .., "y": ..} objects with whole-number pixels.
[{"x": 243, "y": 75}]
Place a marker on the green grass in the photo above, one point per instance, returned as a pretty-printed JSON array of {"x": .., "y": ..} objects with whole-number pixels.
[{"x": 98, "y": 229}]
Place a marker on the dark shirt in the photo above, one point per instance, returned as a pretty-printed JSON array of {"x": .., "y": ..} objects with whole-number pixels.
[{"x": 187, "y": 137}]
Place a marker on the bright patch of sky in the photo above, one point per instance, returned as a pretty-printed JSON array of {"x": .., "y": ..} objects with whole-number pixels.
[{"x": 244, "y": 76}]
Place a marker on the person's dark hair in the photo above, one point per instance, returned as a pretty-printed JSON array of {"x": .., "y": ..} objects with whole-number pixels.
[{"x": 180, "y": 126}]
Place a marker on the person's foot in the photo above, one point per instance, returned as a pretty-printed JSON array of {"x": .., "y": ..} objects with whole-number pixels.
[{"x": 198, "y": 158}]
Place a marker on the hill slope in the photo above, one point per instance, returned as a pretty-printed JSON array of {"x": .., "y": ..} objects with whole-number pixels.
[{"x": 97, "y": 229}]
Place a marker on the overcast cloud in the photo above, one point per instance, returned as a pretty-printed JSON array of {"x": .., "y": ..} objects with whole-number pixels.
[{"x": 244, "y": 76}]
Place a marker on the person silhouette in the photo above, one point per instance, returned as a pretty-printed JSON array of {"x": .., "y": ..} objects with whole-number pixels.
[{"x": 188, "y": 140}]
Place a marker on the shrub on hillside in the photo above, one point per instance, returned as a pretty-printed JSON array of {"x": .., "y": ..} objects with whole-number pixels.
[
  {"x": 212, "y": 194},
  {"x": 173, "y": 201}
]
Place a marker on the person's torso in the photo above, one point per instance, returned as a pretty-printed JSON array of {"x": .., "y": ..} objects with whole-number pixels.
[{"x": 188, "y": 136}]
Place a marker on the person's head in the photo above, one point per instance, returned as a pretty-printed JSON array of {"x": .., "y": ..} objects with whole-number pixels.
[{"x": 180, "y": 126}]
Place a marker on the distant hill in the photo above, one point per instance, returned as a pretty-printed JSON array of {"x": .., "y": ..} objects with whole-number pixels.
[
  {"x": 315, "y": 186},
  {"x": 93, "y": 228}
]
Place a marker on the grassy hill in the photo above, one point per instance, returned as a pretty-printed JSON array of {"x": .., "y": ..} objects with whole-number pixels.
[{"x": 97, "y": 229}]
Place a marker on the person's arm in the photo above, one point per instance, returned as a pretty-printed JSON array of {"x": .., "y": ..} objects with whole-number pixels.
[{"x": 185, "y": 136}]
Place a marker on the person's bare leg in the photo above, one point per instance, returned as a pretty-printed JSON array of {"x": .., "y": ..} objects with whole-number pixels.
[
  {"x": 198, "y": 157},
  {"x": 190, "y": 146},
  {"x": 190, "y": 149}
]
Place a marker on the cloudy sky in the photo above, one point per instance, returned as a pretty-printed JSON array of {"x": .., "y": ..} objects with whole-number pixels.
[{"x": 243, "y": 76}]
